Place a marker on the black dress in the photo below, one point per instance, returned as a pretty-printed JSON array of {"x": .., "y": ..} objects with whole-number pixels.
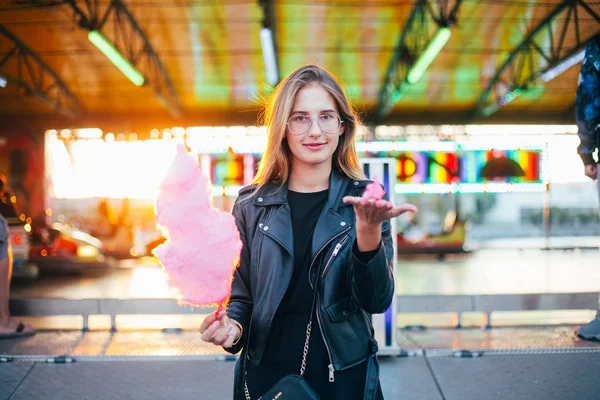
[{"x": 283, "y": 354}]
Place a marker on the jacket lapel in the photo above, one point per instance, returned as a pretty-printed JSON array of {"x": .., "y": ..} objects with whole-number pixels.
[
  {"x": 279, "y": 225},
  {"x": 279, "y": 228},
  {"x": 330, "y": 223}
]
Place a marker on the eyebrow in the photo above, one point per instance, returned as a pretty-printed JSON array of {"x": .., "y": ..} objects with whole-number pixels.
[{"x": 320, "y": 112}]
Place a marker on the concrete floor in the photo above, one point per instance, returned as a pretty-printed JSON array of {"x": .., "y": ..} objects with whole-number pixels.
[{"x": 547, "y": 363}]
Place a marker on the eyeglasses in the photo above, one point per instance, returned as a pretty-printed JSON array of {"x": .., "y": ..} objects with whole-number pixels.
[{"x": 329, "y": 123}]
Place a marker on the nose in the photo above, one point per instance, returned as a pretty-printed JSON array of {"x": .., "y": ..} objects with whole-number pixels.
[{"x": 315, "y": 129}]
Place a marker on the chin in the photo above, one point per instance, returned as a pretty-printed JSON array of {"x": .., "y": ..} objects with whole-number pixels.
[{"x": 316, "y": 160}]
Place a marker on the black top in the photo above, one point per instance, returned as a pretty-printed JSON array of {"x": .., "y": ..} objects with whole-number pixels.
[{"x": 283, "y": 354}]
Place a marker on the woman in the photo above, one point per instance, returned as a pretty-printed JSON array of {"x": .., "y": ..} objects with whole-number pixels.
[{"x": 301, "y": 221}]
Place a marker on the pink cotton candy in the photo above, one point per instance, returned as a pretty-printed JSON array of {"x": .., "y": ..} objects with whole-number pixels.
[
  {"x": 373, "y": 191},
  {"x": 203, "y": 243}
]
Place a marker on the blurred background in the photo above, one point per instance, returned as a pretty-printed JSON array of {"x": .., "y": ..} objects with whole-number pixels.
[{"x": 474, "y": 100}]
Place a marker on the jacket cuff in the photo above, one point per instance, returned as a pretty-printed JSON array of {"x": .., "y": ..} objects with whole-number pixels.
[
  {"x": 362, "y": 262},
  {"x": 588, "y": 159},
  {"x": 364, "y": 256}
]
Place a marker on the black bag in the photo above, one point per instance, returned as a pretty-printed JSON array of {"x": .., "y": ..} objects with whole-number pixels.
[{"x": 291, "y": 387}]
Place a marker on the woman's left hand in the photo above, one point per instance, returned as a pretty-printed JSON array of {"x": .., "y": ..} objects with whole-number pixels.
[{"x": 370, "y": 212}]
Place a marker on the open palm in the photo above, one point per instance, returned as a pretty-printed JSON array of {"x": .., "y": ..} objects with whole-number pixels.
[{"x": 376, "y": 211}]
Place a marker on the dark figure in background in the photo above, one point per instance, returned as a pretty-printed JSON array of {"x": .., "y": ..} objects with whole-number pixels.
[
  {"x": 9, "y": 327},
  {"x": 587, "y": 107},
  {"x": 8, "y": 208}
]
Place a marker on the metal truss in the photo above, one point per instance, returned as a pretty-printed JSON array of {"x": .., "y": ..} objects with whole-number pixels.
[
  {"x": 543, "y": 50},
  {"x": 425, "y": 19},
  {"x": 21, "y": 66},
  {"x": 121, "y": 28},
  {"x": 131, "y": 41}
]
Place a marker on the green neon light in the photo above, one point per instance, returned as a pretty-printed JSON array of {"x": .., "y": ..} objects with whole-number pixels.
[
  {"x": 395, "y": 97},
  {"x": 429, "y": 54},
  {"x": 489, "y": 110},
  {"x": 115, "y": 57}
]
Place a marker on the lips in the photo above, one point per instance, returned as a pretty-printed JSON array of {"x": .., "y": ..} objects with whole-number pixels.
[{"x": 314, "y": 146}]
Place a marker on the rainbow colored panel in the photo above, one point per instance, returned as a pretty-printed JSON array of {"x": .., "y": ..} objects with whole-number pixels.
[
  {"x": 227, "y": 169},
  {"x": 503, "y": 166}
]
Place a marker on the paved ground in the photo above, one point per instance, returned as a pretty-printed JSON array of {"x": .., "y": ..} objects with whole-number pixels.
[
  {"x": 505, "y": 363},
  {"x": 544, "y": 362}
]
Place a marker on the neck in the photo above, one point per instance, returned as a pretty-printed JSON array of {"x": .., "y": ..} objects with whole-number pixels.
[{"x": 309, "y": 178}]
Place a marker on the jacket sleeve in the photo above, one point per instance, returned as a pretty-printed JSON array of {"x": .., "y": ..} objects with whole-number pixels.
[
  {"x": 587, "y": 104},
  {"x": 373, "y": 281},
  {"x": 240, "y": 303}
]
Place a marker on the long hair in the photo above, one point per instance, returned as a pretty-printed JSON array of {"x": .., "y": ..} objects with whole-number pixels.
[{"x": 276, "y": 161}]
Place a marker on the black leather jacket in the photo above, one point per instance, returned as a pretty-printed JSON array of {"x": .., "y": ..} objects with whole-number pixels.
[{"x": 349, "y": 290}]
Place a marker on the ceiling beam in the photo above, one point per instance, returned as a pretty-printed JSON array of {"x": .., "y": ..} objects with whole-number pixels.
[
  {"x": 22, "y": 67},
  {"x": 421, "y": 30},
  {"x": 542, "y": 54},
  {"x": 127, "y": 37}
]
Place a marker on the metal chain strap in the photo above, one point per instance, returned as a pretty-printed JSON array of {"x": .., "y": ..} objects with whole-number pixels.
[
  {"x": 246, "y": 392},
  {"x": 305, "y": 353},
  {"x": 304, "y": 358}
]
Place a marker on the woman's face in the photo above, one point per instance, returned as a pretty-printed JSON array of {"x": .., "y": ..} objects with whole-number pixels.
[{"x": 315, "y": 146}]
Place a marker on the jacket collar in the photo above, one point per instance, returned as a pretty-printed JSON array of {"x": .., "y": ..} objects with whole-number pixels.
[
  {"x": 272, "y": 193},
  {"x": 330, "y": 222}
]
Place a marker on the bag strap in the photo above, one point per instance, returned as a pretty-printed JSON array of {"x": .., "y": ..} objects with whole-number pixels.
[
  {"x": 309, "y": 326},
  {"x": 308, "y": 332}
]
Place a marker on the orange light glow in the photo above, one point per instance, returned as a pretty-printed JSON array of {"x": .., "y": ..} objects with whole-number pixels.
[
  {"x": 44, "y": 253},
  {"x": 99, "y": 168}
]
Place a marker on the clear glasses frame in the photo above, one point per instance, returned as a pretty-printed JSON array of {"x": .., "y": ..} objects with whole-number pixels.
[{"x": 330, "y": 131}]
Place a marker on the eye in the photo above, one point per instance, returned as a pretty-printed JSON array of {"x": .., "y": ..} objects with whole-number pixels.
[
  {"x": 327, "y": 117},
  {"x": 300, "y": 118}
]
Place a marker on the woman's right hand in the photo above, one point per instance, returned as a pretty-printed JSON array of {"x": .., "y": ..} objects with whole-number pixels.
[{"x": 218, "y": 329}]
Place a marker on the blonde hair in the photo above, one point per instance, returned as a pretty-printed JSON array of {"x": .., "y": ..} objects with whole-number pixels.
[{"x": 276, "y": 160}]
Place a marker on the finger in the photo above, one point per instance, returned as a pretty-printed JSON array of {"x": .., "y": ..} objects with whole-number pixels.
[
  {"x": 220, "y": 336},
  {"x": 208, "y": 335},
  {"x": 351, "y": 199},
  {"x": 383, "y": 204},
  {"x": 226, "y": 321},
  {"x": 210, "y": 318},
  {"x": 396, "y": 211},
  {"x": 229, "y": 342},
  {"x": 407, "y": 208}
]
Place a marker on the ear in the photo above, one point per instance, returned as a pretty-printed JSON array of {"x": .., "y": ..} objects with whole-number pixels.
[{"x": 342, "y": 129}]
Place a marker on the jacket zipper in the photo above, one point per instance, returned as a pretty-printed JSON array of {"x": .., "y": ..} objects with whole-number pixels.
[
  {"x": 333, "y": 255},
  {"x": 321, "y": 249},
  {"x": 335, "y": 252}
]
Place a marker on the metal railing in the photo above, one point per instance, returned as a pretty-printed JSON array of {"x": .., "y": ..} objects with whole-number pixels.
[{"x": 459, "y": 304}]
